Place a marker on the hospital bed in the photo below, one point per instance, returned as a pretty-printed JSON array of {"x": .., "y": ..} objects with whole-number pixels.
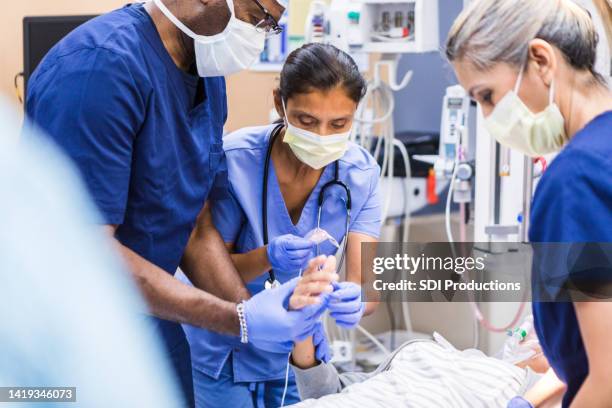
[{"x": 422, "y": 373}]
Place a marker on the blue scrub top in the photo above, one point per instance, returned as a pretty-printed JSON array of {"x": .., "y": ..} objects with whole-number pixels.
[
  {"x": 572, "y": 203},
  {"x": 238, "y": 219},
  {"x": 146, "y": 136}
]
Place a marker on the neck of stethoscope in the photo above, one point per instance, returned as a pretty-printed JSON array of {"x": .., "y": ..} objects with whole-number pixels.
[{"x": 264, "y": 199}]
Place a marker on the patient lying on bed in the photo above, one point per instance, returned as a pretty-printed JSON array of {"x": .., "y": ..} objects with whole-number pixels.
[{"x": 423, "y": 373}]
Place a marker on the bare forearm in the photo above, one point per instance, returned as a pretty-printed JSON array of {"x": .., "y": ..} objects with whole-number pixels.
[
  {"x": 546, "y": 388},
  {"x": 252, "y": 264},
  {"x": 170, "y": 299},
  {"x": 208, "y": 264},
  {"x": 303, "y": 355},
  {"x": 593, "y": 393},
  {"x": 595, "y": 327}
]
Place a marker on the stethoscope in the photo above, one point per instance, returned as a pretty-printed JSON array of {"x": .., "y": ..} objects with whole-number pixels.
[{"x": 271, "y": 282}]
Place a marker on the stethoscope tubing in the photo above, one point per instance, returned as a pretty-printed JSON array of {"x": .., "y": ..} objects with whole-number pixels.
[{"x": 264, "y": 199}]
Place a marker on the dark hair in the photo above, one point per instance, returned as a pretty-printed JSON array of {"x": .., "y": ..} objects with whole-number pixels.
[{"x": 320, "y": 67}]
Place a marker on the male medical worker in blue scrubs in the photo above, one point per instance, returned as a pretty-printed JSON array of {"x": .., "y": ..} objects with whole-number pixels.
[{"x": 137, "y": 99}]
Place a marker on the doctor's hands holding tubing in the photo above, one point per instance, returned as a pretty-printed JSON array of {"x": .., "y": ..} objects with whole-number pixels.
[
  {"x": 345, "y": 305},
  {"x": 274, "y": 318},
  {"x": 289, "y": 252},
  {"x": 343, "y": 300}
]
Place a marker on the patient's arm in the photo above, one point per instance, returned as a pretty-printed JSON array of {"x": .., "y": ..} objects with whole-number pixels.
[
  {"x": 315, "y": 379},
  {"x": 303, "y": 354},
  {"x": 545, "y": 389}
]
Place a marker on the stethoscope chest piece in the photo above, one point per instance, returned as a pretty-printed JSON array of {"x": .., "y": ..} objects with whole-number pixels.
[{"x": 271, "y": 284}]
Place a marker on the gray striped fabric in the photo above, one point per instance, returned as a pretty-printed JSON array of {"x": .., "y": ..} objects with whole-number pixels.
[{"x": 428, "y": 374}]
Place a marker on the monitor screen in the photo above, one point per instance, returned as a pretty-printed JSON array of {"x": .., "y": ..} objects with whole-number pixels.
[{"x": 40, "y": 34}]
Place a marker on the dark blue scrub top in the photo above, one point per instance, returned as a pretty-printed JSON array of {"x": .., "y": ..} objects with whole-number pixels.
[
  {"x": 145, "y": 135},
  {"x": 572, "y": 203}
]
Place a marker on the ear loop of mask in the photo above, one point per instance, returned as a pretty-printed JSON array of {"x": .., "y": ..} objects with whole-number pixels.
[
  {"x": 178, "y": 23},
  {"x": 181, "y": 26},
  {"x": 285, "y": 119},
  {"x": 551, "y": 94},
  {"x": 519, "y": 81}
]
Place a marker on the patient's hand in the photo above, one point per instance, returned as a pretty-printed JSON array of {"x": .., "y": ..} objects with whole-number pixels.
[
  {"x": 316, "y": 280},
  {"x": 537, "y": 362}
]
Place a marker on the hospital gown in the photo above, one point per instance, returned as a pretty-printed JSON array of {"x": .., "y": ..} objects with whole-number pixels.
[{"x": 420, "y": 373}]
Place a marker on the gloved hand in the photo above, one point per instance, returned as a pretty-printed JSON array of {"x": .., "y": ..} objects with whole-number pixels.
[
  {"x": 290, "y": 252},
  {"x": 345, "y": 304},
  {"x": 271, "y": 326},
  {"x": 319, "y": 340},
  {"x": 519, "y": 402},
  {"x": 322, "y": 352}
]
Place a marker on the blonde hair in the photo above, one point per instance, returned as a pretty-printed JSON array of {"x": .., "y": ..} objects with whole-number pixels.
[
  {"x": 492, "y": 31},
  {"x": 605, "y": 10}
]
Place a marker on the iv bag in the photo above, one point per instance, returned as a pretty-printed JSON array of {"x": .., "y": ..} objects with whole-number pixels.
[{"x": 319, "y": 235}]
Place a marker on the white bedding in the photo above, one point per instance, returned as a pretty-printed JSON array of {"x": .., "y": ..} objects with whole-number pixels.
[{"x": 431, "y": 374}]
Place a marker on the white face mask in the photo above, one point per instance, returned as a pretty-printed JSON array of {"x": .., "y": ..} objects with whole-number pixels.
[
  {"x": 513, "y": 125},
  {"x": 312, "y": 149},
  {"x": 234, "y": 49}
]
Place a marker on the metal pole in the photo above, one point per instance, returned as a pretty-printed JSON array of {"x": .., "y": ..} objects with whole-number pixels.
[{"x": 527, "y": 195}]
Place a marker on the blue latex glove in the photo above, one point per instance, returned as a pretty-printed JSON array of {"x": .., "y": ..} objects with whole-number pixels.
[
  {"x": 271, "y": 326},
  {"x": 345, "y": 304},
  {"x": 322, "y": 352},
  {"x": 519, "y": 402},
  {"x": 290, "y": 252},
  {"x": 319, "y": 340}
]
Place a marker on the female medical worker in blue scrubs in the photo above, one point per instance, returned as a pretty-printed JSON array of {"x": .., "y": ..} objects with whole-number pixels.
[
  {"x": 320, "y": 88},
  {"x": 536, "y": 84}
]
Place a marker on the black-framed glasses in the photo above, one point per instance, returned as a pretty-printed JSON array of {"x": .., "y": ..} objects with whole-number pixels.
[{"x": 268, "y": 24}]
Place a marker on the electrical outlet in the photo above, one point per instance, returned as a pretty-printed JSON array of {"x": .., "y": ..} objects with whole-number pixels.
[{"x": 342, "y": 351}]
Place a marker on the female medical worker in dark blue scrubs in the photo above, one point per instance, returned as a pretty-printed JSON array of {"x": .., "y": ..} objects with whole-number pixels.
[
  {"x": 530, "y": 65},
  {"x": 123, "y": 97},
  {"x": 320, "y": 88}
]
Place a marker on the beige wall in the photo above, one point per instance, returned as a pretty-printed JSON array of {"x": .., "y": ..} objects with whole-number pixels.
[
  {"x": 249, "y": 94},
  {"x": 11, "y": 42},
  {"x": 249, "y": 98}
]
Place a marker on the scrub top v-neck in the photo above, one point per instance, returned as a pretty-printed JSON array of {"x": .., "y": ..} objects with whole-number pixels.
[
  {"x": 277, "y": 202},
  {"x": 238, "y": 219}
]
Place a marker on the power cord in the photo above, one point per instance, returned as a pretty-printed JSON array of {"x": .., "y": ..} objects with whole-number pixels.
[
  {"x": 286, "y": 381},
  {"x": 16, "y": 85}
]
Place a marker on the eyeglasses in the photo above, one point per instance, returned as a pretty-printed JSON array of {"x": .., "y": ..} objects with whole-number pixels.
[{"x": 268, "y": 24}]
